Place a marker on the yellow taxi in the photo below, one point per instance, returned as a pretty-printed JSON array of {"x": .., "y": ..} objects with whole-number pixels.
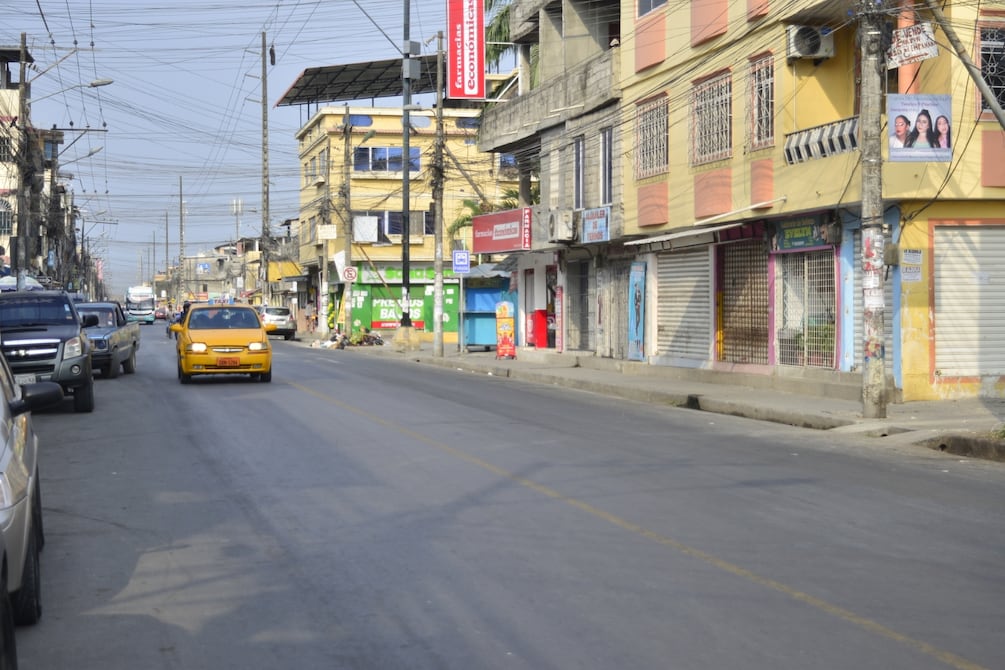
[{"x": 223, "y": 340}]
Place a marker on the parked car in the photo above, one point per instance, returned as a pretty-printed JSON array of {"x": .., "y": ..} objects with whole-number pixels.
[
  {"x": 115, "y": 338},
  {"x": 20, "y": 491},
  {"x": 283, "y": 320},
  {"x": 43, "y": 339},
  {"x": 223, "y": 339},
  {"x": 161, "y": 313}
]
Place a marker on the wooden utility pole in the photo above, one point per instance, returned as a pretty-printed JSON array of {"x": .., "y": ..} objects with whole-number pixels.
[
  {"x": 874, "y": 348},
  {"x": 19, "y": 254},
  {"x": 264, "y": 270}
]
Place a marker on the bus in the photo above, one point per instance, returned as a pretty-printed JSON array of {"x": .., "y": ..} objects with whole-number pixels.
[{"x": 140, "y": 303}]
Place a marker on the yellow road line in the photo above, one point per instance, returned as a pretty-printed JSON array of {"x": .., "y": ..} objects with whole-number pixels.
[{"x": 949, "y": 658}]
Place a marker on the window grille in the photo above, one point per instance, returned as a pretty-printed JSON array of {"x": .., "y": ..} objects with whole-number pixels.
[
  {"x": 651, "y": 138},
  {"x": 744, "y": 313},
  {"x": 606, "y": 166},
  {"x": 646, "y": 6},
  {"x": 761, "y": 101},
  {"x": 711, "y": 120},
  {"x": 807, "y": 333},
  {"x": 993, "y": 63},
  {"x": 6, "y": 150},
  {"x": 6, "y": 219}
]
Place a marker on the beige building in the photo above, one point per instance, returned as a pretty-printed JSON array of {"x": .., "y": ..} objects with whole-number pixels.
[{"x": 351, "y": 202}]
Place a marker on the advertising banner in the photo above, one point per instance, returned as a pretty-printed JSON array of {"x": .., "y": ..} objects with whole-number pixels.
[
  {"x": 466, "y": 49},
  {"x": 919, "y": 127},
  {"x": 501, "y": 231},
  {"x": 636, "y": 312}
]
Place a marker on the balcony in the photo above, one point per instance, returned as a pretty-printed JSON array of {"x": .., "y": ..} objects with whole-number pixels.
[{"x": 583, "y": 88}]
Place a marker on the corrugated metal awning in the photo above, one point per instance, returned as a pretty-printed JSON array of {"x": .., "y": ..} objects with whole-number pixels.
[
  {"x": 690, "y": 232},
  {"x": 358, "y": 81}
]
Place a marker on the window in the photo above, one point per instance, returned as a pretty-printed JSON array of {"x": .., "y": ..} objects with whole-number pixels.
[
  {"x": 761, "y": 101},
  {"x": 379, "y": 226},
  {"x": 651, "y": 138},
  {"x": 606, "y": 166},
  {"x": 578, "y": 172},
  {"x": 711, "y": 120},
  {"x": 6, "y": 150},
  {"x": 360, "y": 120},
  {"x": 468, "y": 123},
  {"x": 646, "y": 6},
  {"x": 993, "y": 63},
  {"x": 6, "y": 219},
  {"x": 384, "y": 159}
]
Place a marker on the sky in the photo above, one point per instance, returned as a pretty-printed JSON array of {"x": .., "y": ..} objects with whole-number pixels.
[{"x": 182, "y": 120}]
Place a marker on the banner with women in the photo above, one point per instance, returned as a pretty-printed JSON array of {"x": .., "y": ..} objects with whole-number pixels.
[{"x": 919, "y": 127}]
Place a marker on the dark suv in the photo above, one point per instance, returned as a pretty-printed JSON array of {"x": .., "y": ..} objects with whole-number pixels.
[{"x": 43, "y": 339}]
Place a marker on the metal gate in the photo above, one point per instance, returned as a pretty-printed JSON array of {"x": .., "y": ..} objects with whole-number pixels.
[
  {"x": 969, "y": 301},
  {"x": 743, "y": 314},
  {"x": 684, "y": 309},
  {"x": 612, "y": 309},
  {"x": 808, "y": 307},
  {"x": 580, "y": 301}
]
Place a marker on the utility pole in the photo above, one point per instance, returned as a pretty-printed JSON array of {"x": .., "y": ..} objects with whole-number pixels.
[
  {"x": 19, "y": 252},
  {"x": 264, "y": 270},
  {"x": 438, "y": 177},
  {"x": 410, "y": 70},
  {"x": 874, "y": 348},
  {"x": 183, "y": 278},
  {"x": 347, "y": 219},
  {"x": 167, "y": 257}
]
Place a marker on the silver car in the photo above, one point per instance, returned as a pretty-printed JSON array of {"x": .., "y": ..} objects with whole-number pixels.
[
  {"x": 20, "y": 490},
  {"x": 283, "y": 318}
]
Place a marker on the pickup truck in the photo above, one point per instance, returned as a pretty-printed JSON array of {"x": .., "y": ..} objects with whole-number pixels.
[
  {"x": 115, "y": 339},
  {"x": 43, "y": 339}
]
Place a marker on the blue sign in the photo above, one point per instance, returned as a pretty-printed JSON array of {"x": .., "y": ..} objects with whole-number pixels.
[{"x": 462, "y": 261}]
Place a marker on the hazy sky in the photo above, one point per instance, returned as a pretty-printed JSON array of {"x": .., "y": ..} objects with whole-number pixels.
[{"x": 186, "y": 103}]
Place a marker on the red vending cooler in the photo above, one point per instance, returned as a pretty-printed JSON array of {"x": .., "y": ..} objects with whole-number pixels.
[{"x": 541, "y": 328}]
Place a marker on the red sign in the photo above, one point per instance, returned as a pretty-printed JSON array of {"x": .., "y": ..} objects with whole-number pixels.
[
  {"x": 466, "y": 49},
  {"x": 500, "y": 232}
]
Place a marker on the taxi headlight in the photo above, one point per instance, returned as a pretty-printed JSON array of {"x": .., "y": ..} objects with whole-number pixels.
[
  {"x": 197, "y": 347},
  {"x": 257, "y": 346}
]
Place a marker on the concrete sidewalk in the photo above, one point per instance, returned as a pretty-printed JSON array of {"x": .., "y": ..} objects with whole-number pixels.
[{"x": 962, "y": 427}]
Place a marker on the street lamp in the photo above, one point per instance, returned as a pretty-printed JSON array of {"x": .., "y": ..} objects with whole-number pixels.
[{"x": 91, "y": 84}]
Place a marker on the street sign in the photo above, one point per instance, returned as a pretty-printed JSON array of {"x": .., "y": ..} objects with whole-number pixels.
[
  {"x": 349, "y": 274},
  {"x": 462, "y": 261}
]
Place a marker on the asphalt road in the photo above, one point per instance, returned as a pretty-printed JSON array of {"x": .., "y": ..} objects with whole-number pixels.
[{"x": 367, "y": 513}]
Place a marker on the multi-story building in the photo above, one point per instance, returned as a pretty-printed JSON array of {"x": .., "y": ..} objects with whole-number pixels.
[
  {"x": 738, "y": 193},
  {"x": 351, "y": 210}
]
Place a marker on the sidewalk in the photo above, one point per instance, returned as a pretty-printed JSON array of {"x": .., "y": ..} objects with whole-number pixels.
[{"x": 960, "y": 427}]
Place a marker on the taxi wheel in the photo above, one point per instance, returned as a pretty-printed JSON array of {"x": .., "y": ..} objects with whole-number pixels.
[
  {"x": 265, "y": 376},
  {"x": 182, "y": 377}
]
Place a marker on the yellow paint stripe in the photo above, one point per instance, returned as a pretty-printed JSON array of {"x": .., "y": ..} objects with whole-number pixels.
[{"x": 948, "y": 658}]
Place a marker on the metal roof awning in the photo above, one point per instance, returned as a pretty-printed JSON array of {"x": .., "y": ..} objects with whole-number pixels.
[
  {"x": 358, "y": 81},
  {"x": 680, "y": 234}
]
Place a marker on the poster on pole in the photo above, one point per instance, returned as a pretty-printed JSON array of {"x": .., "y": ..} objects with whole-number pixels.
[
  {"x": 919, "y": 127},
  {"x": 466, "y": 49}
]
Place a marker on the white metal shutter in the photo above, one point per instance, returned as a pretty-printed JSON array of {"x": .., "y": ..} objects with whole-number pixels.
[
  {"x": 969, "y": 300},
  {"x": 888, "y": 315},
  {"x": 684, "y": 308}
]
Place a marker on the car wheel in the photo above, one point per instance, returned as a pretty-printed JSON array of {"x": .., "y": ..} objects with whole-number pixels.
[
  {"x": 111, "y": 371},
  {"x": 8, "y": 646},
  {"x": 182, "y": 377},
  {"x": 129, "y": 365},
  {"x": 265, "y": 376},
  {"x": 83, "y": 398},
  {"x": 288, "y": 336},
  {"x": 27, "y": 602}
]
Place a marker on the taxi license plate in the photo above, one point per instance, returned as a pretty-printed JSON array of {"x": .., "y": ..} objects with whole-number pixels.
[
  {"x": 24, "y": 379},
  {"x": 228, "y": 361}
]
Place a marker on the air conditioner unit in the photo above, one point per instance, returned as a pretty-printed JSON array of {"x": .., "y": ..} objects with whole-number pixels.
[
  {"x": 319, "y": 180},
  {"x": 815, "y": 42},
  {"x": 560, "y": 226}
]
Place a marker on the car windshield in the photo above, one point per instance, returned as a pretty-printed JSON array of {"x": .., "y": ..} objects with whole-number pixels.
[
  {"x": 106, "y": 317},
  {"x": 35, "y": 311},
  {"x": 223, "y": 318},
  {"x": 277, "y": 311}
]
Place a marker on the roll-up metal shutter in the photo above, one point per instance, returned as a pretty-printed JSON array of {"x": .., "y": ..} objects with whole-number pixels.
[
  {"x": 684, "y": 308},
  {"x": 581, "y": 301},
  {"x": 969, "y": 300},
  {"x": 888, "y": 315}
]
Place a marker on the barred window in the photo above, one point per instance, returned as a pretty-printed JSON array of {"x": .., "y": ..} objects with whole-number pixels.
[
  {"x": 6, "y": 219},
  {"x": 993, "y": 63},
  {"x": 578, "y": 172},
  {"x": 712, "y": 120},
  {"x": 761, "y": 102},
  {"x": 652, "y": 143},
  {"x": 6, "y": 150},
  {"x": 606, "y": 165}
]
